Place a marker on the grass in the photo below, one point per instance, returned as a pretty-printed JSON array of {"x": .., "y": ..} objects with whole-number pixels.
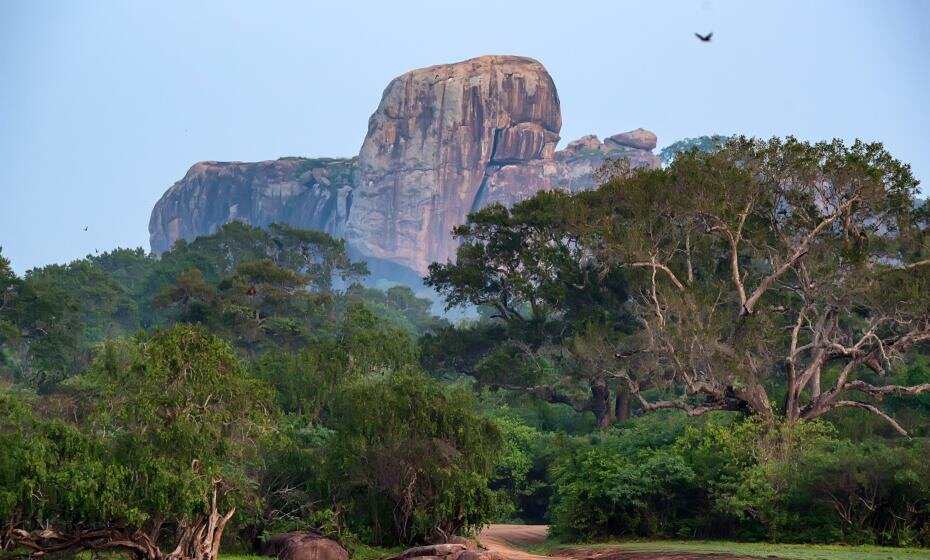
[
  {"x": 764, "y": 550},
  {"x": 360, "y": 552}
]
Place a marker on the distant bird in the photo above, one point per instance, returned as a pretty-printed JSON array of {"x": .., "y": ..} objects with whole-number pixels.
[
  {"x": 85, "y": 228},
  {"x": 97, "y": 251},
  {"x": 251, "y": 291},
  {"x": 704, "y": 38}
]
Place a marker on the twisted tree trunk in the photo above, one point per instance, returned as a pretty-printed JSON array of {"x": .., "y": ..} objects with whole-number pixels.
[{"x": 199, "y": 540}]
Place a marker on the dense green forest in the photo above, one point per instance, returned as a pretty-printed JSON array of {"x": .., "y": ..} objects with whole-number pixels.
[{"x": 733, "y": 346}]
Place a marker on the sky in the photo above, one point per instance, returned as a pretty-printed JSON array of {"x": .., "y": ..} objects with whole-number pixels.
[{"x": 105, "y": 104}]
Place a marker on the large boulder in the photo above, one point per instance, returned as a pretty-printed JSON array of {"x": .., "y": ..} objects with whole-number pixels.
[
  {"x": 430, "y": 143},
  {"x": 581, "y": 158},
  {"x": 641, "y": 139},
  {"x": 303, "y": 545}
]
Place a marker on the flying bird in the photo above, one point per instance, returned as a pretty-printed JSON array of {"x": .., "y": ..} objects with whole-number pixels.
[
  {"x": 704, "y": 38},
  {"x": 85, "y": 228}
]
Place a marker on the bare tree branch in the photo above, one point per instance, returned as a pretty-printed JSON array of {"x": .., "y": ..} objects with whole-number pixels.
[
  {"x": 865, "y": 406},
  {"x": 802, "y": 250}
]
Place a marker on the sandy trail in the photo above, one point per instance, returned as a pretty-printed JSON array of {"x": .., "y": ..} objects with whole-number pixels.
[{"x": 507, "y": 541}]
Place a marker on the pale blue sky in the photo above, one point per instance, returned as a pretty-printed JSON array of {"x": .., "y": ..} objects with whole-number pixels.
[{"x": 103, "y": 105}]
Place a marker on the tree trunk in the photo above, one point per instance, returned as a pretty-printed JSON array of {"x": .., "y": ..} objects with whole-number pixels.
[
  {"x": 600, "y": 403},
  {"x": 201, "y": 539},
  {"x": 622, "y": 405}
]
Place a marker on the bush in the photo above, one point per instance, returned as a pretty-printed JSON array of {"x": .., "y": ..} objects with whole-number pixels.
[
  {"x": 741, "y": 480},
  {"x": 409, "y": 460}
]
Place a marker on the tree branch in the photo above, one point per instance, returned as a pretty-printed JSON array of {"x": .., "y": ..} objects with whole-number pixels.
[
  {"x": 657, "y": 265},
  {"x": 866, "y": 406},
  {"x": 546, "y": 393},
  {"x": 881, "y": 391},
  {"x": 802, "y": 250}
]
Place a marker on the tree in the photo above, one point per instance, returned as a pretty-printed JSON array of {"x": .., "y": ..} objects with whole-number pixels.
[
  {"x": 40, "y": 331},
  {"x": 766, "y": 267},
  {"x": 8, "y": 330},
  {"x": 708, "y": 144},
  {"x": 126, "y": 266},
  {"x": 188, "y": 291},
  {"x": 270, "y": 284},
  {"x": 527, "y": 266},
  {"x": 162, "y": 460},
  {"x": 360, "y": 345},
  {"x": 410, "y": 459},
  {"x": 316, "y": 254},
  {"x": 106, "y": 307},
  {"x": 401, "y": 306}
]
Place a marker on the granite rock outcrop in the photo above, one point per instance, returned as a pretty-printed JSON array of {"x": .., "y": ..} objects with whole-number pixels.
[
  {"x": 444, "y": 141},
  {"x": 306, "y": 193}
]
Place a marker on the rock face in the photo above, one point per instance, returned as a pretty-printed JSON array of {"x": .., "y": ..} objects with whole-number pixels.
[
  {"x": 306, "y": 193},
  {"x": 429, "y": 147},
  {"x": 444, "y": 141}
]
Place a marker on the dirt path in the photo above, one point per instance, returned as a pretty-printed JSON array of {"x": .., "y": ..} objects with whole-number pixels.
[{"x": 508, "y": 541}]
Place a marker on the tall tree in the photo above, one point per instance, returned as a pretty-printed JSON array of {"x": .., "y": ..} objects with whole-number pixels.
[
  {"x": 527, "y": 266},
  {"x": 766, "y": 264}
]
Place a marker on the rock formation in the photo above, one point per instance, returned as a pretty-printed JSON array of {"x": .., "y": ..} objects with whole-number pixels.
[
  {"x": 444, "y": 141},
  {"x": 429, "y": 147},
  {"x": 306, "y": 193}
]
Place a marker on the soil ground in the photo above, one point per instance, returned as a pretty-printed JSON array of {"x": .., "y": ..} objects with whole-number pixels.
[{"x": 509, "y": 541}]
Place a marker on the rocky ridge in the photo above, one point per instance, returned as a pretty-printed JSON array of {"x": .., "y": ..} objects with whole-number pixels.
[{"x": 444, "y": 141}]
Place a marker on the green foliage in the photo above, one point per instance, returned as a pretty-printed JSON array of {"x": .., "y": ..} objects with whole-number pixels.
[
  {"x": 411, "y": 460},
  {"x": 162, "y": 422},
  {"x": 329, "y": 423},
  {"x": 339, "y": 172},
  {"x": 630, "y": 481},
  {"x": 106, "y": 309},
  {"x": 50, "y": 470},
  {"x": 40, "y": 331},
  {"x": 178, "y": 409},
  {"x": 400, "y": 306},
  {"x": 707, "y": 144},
  {"x": 360, "y": 345},
  {"x": 526, "y": 267},
  {"x": 726, "y": 479}
]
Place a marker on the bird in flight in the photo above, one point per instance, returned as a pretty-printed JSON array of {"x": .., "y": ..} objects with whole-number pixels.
[
  {"x": 85, "y": 228},
  {"x": 704, "y": 38}
]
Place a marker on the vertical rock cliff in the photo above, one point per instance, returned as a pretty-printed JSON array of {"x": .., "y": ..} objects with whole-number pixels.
[
  {"x": 444, "y": 141},
  {"x": 429, "y": 147}
]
